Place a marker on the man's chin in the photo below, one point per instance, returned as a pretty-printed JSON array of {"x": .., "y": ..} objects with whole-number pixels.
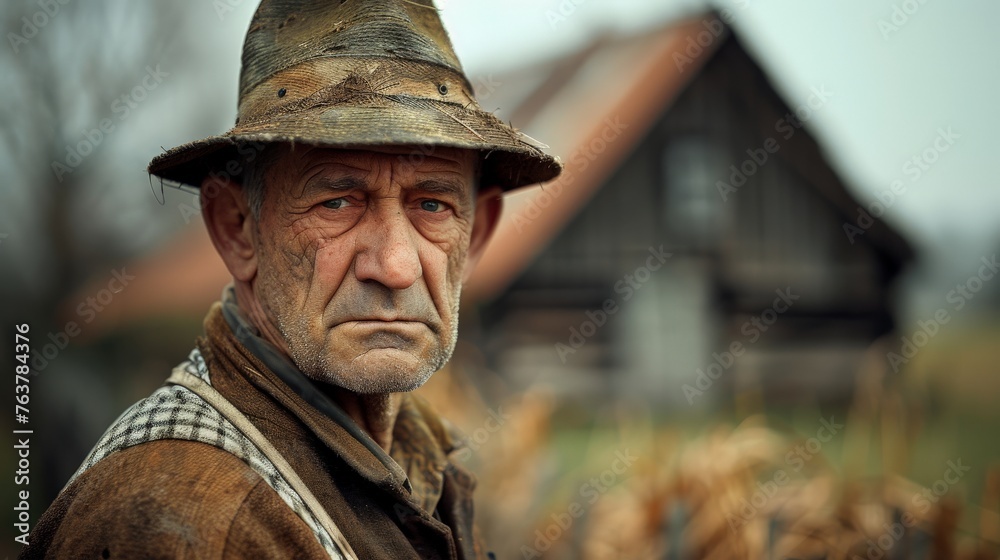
[
  {"x": 382, "y": 385},
  {"x": 378, "y": 371}
]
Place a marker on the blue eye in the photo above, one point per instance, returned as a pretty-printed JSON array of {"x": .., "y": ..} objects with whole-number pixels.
[
  {"x": 336, "y": 203},
  {"x": 432, "y": 205}
]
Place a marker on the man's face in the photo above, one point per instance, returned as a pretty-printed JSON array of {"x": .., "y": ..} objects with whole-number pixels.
[{"x": 361, "y": 257}]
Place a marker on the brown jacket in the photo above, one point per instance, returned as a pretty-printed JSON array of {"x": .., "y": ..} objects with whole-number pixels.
[{"x": 185, "y": 499}]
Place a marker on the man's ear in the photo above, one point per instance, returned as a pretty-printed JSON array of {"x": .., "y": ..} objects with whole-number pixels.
[
  {"x": 489, "y": 203},
  {"x": 230, "y": 225}
]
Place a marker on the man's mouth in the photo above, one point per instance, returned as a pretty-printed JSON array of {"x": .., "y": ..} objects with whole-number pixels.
[
  {"x": 412, "y": 324},
  {"x": 383, "y": 322},
  {"x": 400, "y": 327},
  {"x": 386, "y": 334}
]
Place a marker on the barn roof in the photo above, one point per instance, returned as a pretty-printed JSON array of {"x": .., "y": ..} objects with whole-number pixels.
[{"x": 632, "y": 80}]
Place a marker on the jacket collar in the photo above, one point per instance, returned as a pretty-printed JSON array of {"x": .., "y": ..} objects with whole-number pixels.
[{"x": 422, "y": 441}]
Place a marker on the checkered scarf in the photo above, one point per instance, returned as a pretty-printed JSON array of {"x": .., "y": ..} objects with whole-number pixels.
[{"x": 175, "y": 412}]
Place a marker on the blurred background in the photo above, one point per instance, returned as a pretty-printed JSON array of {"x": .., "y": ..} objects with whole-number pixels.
[{"x": 756, "y": 317}]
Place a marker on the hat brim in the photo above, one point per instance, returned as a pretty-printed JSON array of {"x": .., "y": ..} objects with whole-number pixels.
[{"x": 510, "y": 159}]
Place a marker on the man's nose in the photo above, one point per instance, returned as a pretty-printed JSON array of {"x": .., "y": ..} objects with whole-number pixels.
[{"x": 387, "y": 249}]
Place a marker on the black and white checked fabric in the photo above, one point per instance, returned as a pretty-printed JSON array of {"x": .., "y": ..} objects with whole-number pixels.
[{"x": 175, "y": 412}]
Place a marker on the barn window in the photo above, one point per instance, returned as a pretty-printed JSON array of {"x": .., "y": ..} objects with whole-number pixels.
[{"x": 692, "y": 205}]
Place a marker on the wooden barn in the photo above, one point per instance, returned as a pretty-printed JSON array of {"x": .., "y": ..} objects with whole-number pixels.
[{"x": 676, "y": 143}]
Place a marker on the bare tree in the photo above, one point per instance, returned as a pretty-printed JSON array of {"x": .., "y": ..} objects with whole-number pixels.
[{"x": 79, "y": 121}]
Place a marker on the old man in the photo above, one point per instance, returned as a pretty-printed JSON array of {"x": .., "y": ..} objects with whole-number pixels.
[{"x": 351, "y": 200}]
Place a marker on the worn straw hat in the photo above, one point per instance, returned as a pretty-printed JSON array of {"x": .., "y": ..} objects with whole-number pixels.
[{"x": 355, "y": 73}]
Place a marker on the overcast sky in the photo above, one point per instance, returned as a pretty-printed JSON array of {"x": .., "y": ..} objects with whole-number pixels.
[{"x": 897, "y": 79}]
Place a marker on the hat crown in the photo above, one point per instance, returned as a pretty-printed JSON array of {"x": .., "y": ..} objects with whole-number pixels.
[
  {"x": 285, "y": 33},
  {"x": 356, "y": 73}
]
